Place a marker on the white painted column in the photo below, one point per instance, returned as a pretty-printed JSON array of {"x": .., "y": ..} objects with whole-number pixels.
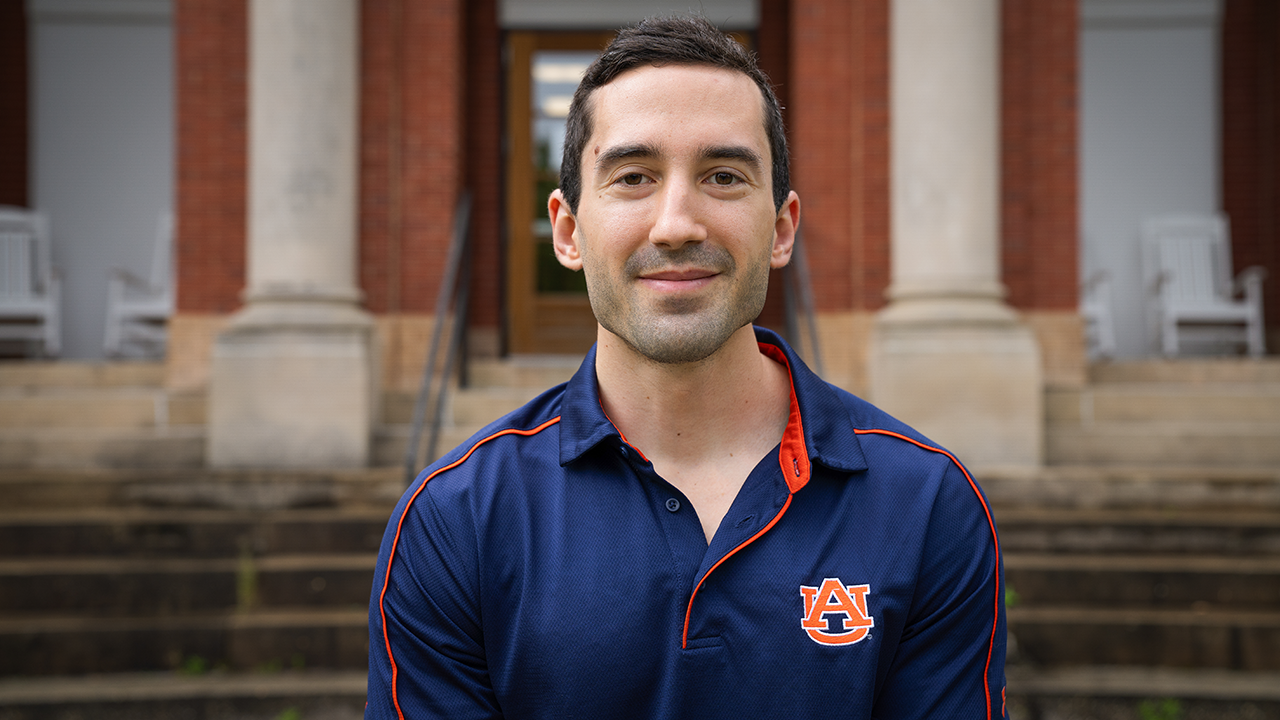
[
  {"x": 292, "y": 381},
  {"x": 948, "y": 355}
]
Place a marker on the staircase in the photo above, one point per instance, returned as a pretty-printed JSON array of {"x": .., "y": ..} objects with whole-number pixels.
[
  {"x": 1219, "y": 413},
  {"x": 101, "y": 415},
  {"x": 134, "y": 583},
  {"x": 495, "y": 388},
  {"x": 1143, "y": 564},
  {"x": 178, "y": 593},
  {"x": 119, "y": 415},
  {"x": 1143, "y": 567}
]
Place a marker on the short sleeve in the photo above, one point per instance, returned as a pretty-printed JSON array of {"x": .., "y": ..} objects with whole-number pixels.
[{"x": 950, "y": 659}]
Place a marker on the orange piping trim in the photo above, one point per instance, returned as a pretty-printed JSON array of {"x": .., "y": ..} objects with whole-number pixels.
[
  {"x": 793, "y": 449},
  {"x": 386, "y": 581},
  {"x": 995, "y": 617},
  {"x": 684, "y": 640},
  {"x": 793, "y": 456}
]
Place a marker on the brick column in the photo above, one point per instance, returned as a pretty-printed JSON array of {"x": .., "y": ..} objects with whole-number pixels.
[
  {"x": 292, "y": 379},
  {"x": 948, "y": 355},
  {"x": 13, "y": 104},
  {"x": 1251, "y": 143}
]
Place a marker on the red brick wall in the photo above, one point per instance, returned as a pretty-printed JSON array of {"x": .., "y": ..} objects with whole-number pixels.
[
  {"x": 1251, "y": 140},
  {"x": 772, "y": 46},
  {"x": 409, "y": 151},
  {"x": 381, "y": 214},
  {"x": 1039, "y": 151},
  {"x": 13, "y": 103},
  {"x": 484, "y": 169},
  {"x": 432, "y": 145},
  {"x": 839, "y": 118},
  {"x": 840, "y": 125},
  {"x": 211, "y": 50},
  {"x": 410, "y": 148}
]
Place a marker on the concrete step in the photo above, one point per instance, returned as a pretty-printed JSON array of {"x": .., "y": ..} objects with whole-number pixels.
[
  {"x": 1163, "y": 487},
  {"x": 31, "y": 490},
  {"x": 1186, "y": 582},
  {"x": 115, "y": 408},
  {"x": 1124, "y": 692},
  {"x": 1204, "y": 637},
  {"x": 1090, "y": 692},
  {"x": 188, "y": 533},
  {"x": 159, "y": 447},
  {"x": 69, "y": 644},
  {"x": 471, "y": 407},
  {"x": 1236, "y": 444},
  {"x": 390, "y": 441},
  {"x": 69, "y": 374},
  {"x": 110, "y": 587},
  {"x": 210, "y": 694},
  {"x": 477, "y": 407},
  {"x": 534, "y": 372},
  {"x": 1226, "y": 370},
  {"x": 1134, "y": 531},
  {"x": 1163, "y": 402}
]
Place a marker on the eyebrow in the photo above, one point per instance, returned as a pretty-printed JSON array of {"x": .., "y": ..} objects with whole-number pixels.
[
  {"x": 618, "y": 153},
  {"x": 632, "y": 151},
  {"x": 740, "y": 153}
]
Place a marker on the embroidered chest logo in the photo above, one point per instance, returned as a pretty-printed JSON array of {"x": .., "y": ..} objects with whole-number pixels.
[{"x": 835, "y": 613}]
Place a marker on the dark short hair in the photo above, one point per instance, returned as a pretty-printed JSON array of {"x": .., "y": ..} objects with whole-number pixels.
[{"x": 678, "y": 40}]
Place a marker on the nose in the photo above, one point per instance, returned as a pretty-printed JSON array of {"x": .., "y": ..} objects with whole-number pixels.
[{"x": 677, "y": 218}]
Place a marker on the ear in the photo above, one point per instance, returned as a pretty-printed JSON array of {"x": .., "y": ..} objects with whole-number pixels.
[
  {"x": 564, "y": 231},
  {"x": 784, "y": 231}
]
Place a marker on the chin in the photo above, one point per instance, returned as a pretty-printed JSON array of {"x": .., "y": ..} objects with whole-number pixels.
[{"x": 669, "y": 342}]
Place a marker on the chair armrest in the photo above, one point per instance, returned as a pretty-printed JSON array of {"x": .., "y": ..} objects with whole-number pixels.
[
  {"x": 1158, "y": 282},
  {"x": 124, "y": 277},
  {"x": 1249, "y": 282},
  {"x": 1097, "y": 280}
]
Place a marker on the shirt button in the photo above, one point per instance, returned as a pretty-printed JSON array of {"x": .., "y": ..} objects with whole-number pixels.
[
  {"x": 624, "y": 452},
  {"x": 673, "y": 504}
]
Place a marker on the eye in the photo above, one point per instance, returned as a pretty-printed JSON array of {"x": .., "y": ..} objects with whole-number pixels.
[
  {"x": 632, "y": 179},
  {"x": 724, "y": 178}
]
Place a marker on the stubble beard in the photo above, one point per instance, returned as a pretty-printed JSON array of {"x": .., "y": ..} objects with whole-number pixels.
[{"x": 680, "y": 330}]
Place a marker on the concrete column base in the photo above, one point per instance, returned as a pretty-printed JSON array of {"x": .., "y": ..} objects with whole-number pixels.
[
  {"x": 293, "y": 385},
  {"x": 974, "y": 387}
]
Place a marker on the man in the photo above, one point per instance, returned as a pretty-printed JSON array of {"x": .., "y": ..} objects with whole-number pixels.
[{"x": 695, "y": 525}]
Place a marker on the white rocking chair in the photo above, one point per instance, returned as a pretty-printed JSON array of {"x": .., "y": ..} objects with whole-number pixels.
[
  {"x": 1194, "y": 298},
  {"x": 29, "y": 288},
  {"x": 138, "y": 310},
  {"x": 1095, "y": 309}
]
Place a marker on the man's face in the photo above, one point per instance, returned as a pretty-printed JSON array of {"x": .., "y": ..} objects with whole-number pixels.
[{"x": 676, "y": 228}]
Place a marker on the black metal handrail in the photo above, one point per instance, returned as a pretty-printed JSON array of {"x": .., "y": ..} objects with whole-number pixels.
[
  {"x": 455, "y": 291},
  {"x": 798, "y": 288}
]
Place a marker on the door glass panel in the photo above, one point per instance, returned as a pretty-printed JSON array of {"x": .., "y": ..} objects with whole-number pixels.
[{"x": 556, "y": 74}]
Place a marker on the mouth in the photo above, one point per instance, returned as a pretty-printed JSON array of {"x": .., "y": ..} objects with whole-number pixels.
[
  {"x": 688, "y": 275},
  {"x": 678, "y": 281}
]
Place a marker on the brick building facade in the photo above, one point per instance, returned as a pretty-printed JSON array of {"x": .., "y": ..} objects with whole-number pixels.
[{"x": 432, "y": 113}]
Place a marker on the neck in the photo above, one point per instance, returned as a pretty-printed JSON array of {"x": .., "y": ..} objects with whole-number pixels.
[{"x": 682, "y": 415}]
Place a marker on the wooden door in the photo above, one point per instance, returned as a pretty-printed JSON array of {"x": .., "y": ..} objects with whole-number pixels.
[{"x": 547, "y": 306}]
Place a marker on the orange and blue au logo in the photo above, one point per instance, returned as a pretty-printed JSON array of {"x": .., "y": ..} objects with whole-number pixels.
[{"x": 835, "y": 613}]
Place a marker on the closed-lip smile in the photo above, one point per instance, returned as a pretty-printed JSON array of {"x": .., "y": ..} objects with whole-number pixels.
[{"x": 679, "y": 275}]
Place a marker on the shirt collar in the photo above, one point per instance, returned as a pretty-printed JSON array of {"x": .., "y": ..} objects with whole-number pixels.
[{"x": 819, "y": 429}]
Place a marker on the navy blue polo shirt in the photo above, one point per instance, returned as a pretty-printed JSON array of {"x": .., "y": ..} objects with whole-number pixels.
[{"x": 544, "y": 570}]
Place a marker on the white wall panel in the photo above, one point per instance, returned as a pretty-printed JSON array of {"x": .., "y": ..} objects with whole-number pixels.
[
  {"x": 608, "y": 14},
  {"x": 1149, "y": 128},
  {"x": 102, "y": 146}
]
